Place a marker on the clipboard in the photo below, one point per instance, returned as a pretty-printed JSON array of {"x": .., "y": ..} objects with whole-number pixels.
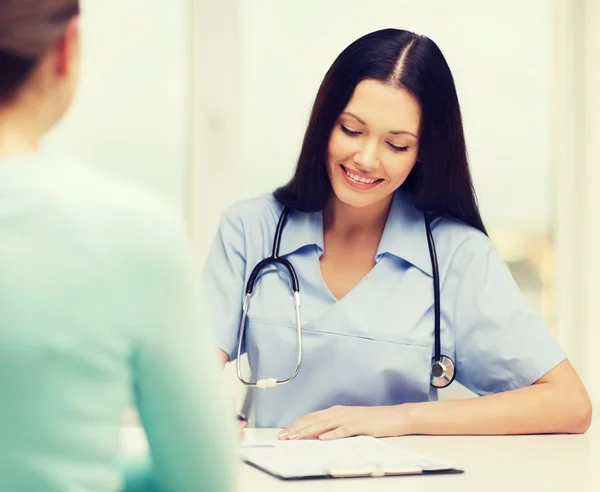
[{"x": 354, "y": 457}]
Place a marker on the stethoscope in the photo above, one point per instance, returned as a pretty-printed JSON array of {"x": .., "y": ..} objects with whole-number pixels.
[{"x": 442, "y": 368}]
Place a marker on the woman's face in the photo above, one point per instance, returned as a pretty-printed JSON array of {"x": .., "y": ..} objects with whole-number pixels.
[{"x": 374, "y": 144}]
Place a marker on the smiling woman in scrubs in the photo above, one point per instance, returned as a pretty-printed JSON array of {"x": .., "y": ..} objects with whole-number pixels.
[{"x": 385, "y": 143}]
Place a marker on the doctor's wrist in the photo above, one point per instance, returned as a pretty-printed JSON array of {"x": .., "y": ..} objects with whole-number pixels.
[{"x": 406, "y": 419}]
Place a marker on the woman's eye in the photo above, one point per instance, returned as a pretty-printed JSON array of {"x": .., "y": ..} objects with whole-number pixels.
[
  {"x": 347, "y": 131},
  {"x": 395, "y": 148}
]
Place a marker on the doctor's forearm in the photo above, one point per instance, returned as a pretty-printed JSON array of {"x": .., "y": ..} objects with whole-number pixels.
[{"x": 537, "y": 409}]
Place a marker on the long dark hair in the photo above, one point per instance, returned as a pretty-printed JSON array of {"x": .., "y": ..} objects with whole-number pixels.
[
  {"x": 440, "y": 181},
  {"x": 43, "y": 21}
]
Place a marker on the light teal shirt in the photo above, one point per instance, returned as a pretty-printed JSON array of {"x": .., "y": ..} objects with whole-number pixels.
[
  {"x": 374, "y": 346},
  {"x": 98, "y": 309}
]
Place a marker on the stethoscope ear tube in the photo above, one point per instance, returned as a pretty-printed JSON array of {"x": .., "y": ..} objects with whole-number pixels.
[
  {"x": 443, "y": 370},
  {"x": 274, "y": 259}
]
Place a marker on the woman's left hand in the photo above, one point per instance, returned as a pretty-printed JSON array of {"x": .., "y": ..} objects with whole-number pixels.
[{"x": 340, "y": 421}]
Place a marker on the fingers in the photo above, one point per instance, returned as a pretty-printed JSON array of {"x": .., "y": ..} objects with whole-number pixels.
[
  {"x": 338, "y": 433},
  {"x": 311, "y": 430},
  {"x": 314, "y": 424},
  {"x": 309, "y": 419}
]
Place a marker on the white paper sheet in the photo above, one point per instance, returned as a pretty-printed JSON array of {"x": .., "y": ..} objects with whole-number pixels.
[{"x": 344, "y": 457}]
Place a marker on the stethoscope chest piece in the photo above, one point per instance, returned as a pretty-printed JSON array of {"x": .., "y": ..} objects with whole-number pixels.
[{"x": 442, "y": 372}]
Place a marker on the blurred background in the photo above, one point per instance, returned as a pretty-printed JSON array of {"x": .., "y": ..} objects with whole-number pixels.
[{"x": 207, "y": 101}]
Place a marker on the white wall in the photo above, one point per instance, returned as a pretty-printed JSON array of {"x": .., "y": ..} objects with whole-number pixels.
[
  {"x": 591, "y": 205},
  {"x": 217, "y": 150},
  {"x": 576, "y": 154},
  {"x": 131, "y": 115}
]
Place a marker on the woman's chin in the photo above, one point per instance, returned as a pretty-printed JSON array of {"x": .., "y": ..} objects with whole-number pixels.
[{"x": 356, "y": 198}]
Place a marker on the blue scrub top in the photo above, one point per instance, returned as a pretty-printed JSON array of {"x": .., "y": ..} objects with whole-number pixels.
[{"x": 375, "y": 345}]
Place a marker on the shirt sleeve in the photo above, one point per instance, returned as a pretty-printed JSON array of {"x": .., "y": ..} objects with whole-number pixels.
[
  {"x": 223, "y": 283},
  {"x": 501, "y": 342},
  {"x": 176, "y": 377}
]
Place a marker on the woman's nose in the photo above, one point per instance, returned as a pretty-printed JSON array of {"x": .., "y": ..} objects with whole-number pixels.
[{"x": 367, "y": 158}]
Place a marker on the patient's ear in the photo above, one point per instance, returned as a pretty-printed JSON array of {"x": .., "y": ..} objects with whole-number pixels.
[{"x": 68, "y": 50}]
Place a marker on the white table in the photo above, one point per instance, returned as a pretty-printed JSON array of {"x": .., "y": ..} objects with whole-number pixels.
[{"x": 550, "y": 463}]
